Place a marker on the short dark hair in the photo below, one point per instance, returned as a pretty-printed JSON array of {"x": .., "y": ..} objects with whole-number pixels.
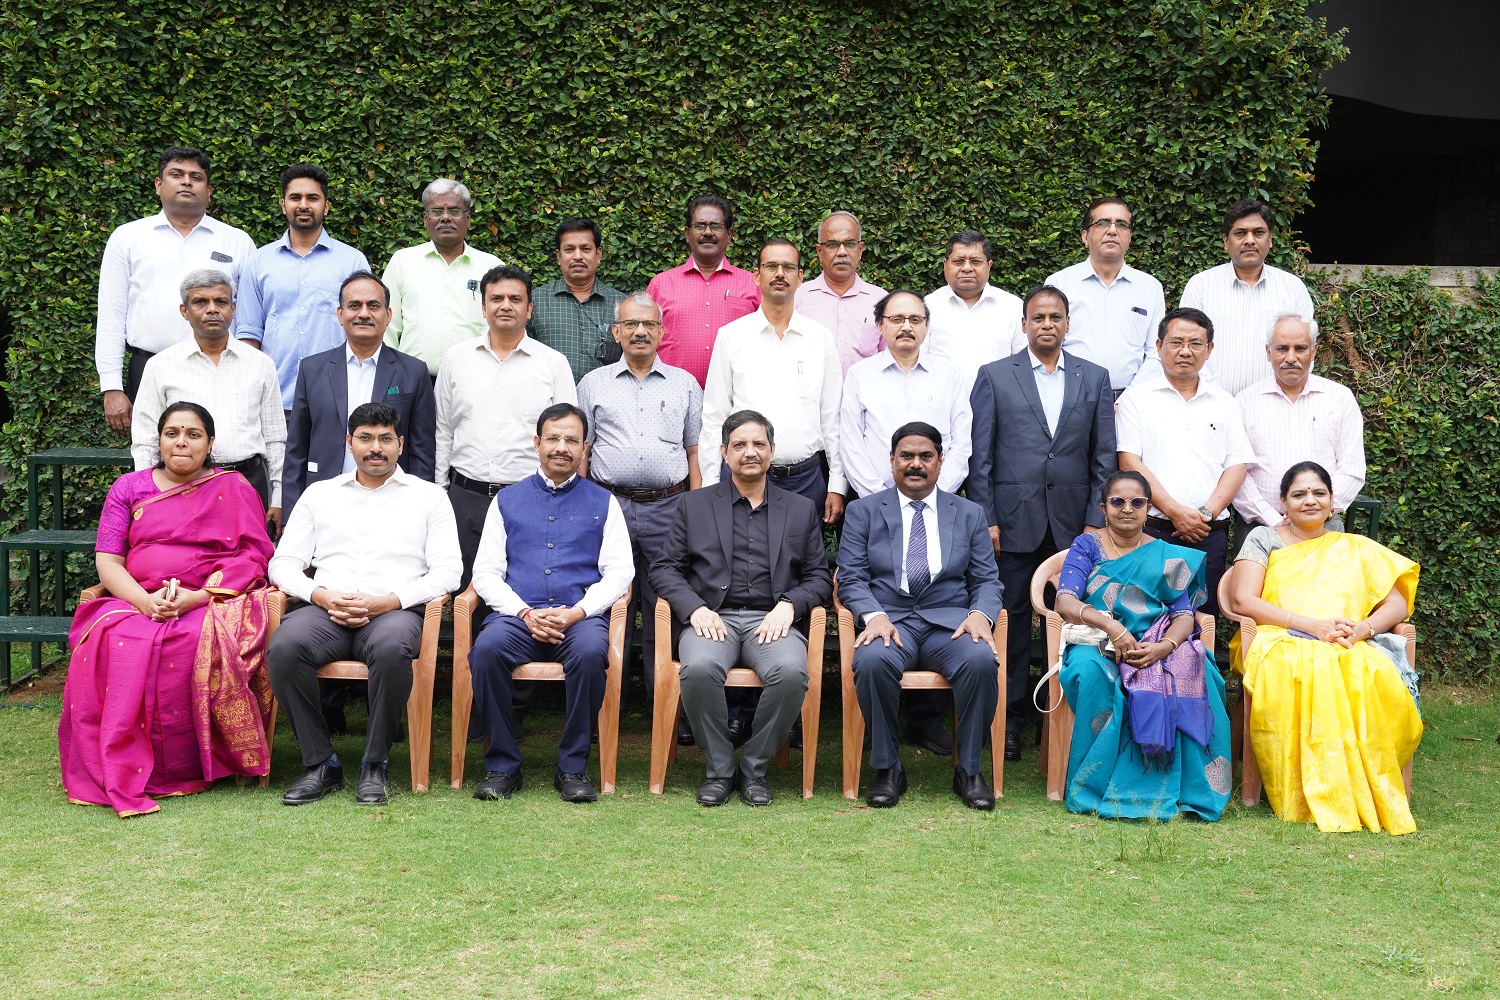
[
  {"x": 1044, "y": 290},
  {"x": 206, "y": 418},
  {"x": 778, "y": 241},
  {"x": 1291, "y": 474},
  {"x": 374, "y": 415},
  {"x": 298, "y": 171},
  {"x": 1246, "y": 208},
  {"x": 711, "y": 201},
  {"x": 574, "y": 224},
  {"x": 504, "y": 272},
  {"x": 740, "y": 418},
  {"x": 1108, "y": 199},
  {"x": 1125, "y": 475},
  {"x": 880, "y": 306},
  {"x": 365, "y": 276},
  {"x": 1195, "y": 316},
  {"x": 559, "y": 411},
  {"x": 968, "y": 238},
  {"x": 917, "y": 428},
  {"x": 191, "y": 153}
]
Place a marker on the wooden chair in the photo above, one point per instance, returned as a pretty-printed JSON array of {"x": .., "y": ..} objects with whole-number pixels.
[
  {"x": 668, "y": 698},
  {"x": 1250, "y": 783},
  {"x": 911, "y": 680},
  {"x": 537, "y": 670},
  {"x": 1057, "y": 727},
  {"x": 418, "y": 705}
]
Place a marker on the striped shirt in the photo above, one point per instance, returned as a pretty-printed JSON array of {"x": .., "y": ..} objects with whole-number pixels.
[
  {"x": 1113, "y": 325},
  {"x": 1242, "y": 316},
  {"x": 879, "y": 397},
  {"x": 1324, "y": 425},
  {"x": 973, "y": 337},
  {"x": 695, "y": 308}
]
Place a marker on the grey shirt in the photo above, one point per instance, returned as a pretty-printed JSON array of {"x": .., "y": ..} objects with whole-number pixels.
[{"x": 640, "y": 429}]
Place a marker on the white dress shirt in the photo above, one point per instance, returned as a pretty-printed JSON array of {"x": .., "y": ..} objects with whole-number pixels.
[
  {"x": 1324, "y": 425},
  {"x": 1186, "y": 443},
  {"x": 879, "y": 397},
  {"x": 794, "y": 380},
  {"x": 1242, "y": 316},
  {"x": 616, "y": 563},
  {"x": 487, "y": 408},
  {"x": 139, "y": 285},
  {"x": 399, "y": 538},
  {"x": 1050, "y": 386},
  {"x": 1113, "y": 325},
  {"x": 934, "y": 548},
  {"x": 971, "y": 338},
  {"x": 361, "y": 383},
  {"x": 240, "y": 392}
]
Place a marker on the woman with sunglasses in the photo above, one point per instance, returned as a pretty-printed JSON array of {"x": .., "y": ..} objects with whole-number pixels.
[
  {"x": 1333, "y": 707},
  {"x": 1150, "y": 734}
]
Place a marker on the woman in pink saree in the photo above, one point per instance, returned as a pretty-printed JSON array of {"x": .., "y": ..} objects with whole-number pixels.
[{"x": 167, "y": 691}]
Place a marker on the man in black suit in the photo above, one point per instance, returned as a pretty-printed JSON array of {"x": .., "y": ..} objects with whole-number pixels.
[
  {"x": 917, "y": 569},
  {"x": 331, "y": 384},
  {"x": 1044, "y": 442},
  {"x": 743, "y": 562}
]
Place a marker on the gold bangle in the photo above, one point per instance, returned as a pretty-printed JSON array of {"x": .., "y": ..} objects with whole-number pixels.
[
  {"x": 1123, "y": 631},
  {"x": 1173, "y": 641},
  {"x": 1288, "y": 621}
]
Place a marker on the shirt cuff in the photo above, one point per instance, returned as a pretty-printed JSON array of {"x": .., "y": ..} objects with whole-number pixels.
[
  {"x": 874, "y": 615},
  {"x": 983, "y": 615},
  {"x": 111, "y": 383}
]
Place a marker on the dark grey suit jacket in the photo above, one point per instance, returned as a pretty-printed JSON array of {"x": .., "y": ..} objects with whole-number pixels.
[
  {"x": 316, "y": 432},
  {"x": 1027, "y": 479},
  {"x": 692, "y": 568}
]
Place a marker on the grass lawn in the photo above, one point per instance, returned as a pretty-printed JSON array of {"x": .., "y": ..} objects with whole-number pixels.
[{"x": 230, "y": 894}]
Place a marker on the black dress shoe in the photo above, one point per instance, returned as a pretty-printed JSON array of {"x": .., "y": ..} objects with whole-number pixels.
[
  {"x": 885, "y": 791},
  {"x": 684, "y": 733},
  {"x": 1012, "y": 745},
  {"x": 498, "y": 785},
  {"x": 739, "y": 732},
  {"x": 574, "y": 787},
  {"x": 933, "y": 738},
  {"x": 973, "y": 789},
  {"x": 715, "y": 791},
  {"x": 315, "y": 783},
  {"x": 373, "y": 788},
  {"x": 754, "y": 791}
]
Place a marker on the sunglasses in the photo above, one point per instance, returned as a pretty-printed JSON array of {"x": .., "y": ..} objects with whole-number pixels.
[{"x": 1136, "y": 503}]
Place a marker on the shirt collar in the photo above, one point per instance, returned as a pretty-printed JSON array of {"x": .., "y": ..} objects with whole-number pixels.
[
  {"x": 1273, "y": 387},
  {"x": 324, "y": 241},
  {"x": 860, "y": 287},
  {"x": 889, "y": 359},
  {"x": 429, "y": 249},
  {"x": 929, "y": 501},
  {"x": 526, "y": 346},
  {"x": 1036, "y": 362},
  {"x": 232, "y": 346},
  {"x": 547, "y": 483},
  {"x": 621, "y": 367},
  {"x": 207, "y": 222},
  {"x": 691, "y": 267},
  {"x": 1235, "y": 281},
  {"x": 349, "y": 356},
  {"x": 990, "y": 293},
  {"x": 398, "y": 476},
  {"x": 794, "y": 325},
  {"x": 1127, "y": 273},
  {"x": 560, "y": 287}
]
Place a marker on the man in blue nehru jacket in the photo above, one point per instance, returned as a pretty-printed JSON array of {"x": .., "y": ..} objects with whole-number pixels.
[{"x": 554, "y": 557}]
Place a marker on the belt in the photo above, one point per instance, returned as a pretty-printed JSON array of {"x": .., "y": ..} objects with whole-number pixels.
[
  {"x": 1163, "y": 524},
  {"x": 645, "y": 496},
  {"x": 796, "y": 469},
  {"x": 474, "y": 485},
  {"x": 254, "y": 461}
]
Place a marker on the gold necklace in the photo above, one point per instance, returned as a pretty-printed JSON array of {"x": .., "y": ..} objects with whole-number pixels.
[{"x": 1109, "y": 538}]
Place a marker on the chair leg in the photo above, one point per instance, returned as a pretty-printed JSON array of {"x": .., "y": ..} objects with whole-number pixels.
[
  {"x": 1406, "y": 777},
  {"x": 953, "y": 724},
  {"x": 854, "y": 731},
  {"x": 997, "y": 731},
  {"x": 1061, "y": 741},
  {"x": 1250, "y": 784},
  {"x": 463, "y": 704},
  {"x": 811, "y": 711},
  {"x": 419, "y": 722},
  {"x": 664, "y": 721},
  {"x": 784, "y": 754},
  {"x": 609, "y": 726},
  {"x": 265, "y": 779}
]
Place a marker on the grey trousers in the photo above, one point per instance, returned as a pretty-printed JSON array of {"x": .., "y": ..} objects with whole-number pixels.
[
  {"x": 782, "y": 668},
  {"x": 308, "y": 638}
]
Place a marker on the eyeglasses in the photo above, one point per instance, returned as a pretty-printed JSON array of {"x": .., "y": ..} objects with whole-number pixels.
[
  {"x": 975, "y": 262},
  {"x": 779, "y": 267},
  {"x": 445, "y": 213},
  {"x": 1100, "y": 225},
  {"x": 1196, "y": 346},
  {"x": 1136, "y": 503},
  {"x": 649, "y": 325},
  {"x": 900, "y": 321},
  {"x": 708, "y": 227},
  {"x": 834, "y": 246}
]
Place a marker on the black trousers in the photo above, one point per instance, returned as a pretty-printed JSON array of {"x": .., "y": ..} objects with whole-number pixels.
[
  {"x": 1016, "y": 571},
  {"x": 1215, "y": 549},
  {"x": 309, "y": 638},
  {"x": 254, "y": 471},
  {"x": 135, "y": 368}
]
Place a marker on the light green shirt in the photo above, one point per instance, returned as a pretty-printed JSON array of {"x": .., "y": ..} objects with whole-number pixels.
[{"x": 434, "y": 304}]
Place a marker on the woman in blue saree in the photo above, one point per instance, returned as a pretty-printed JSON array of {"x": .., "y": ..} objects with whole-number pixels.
[{"x": 1150, "y": 734}]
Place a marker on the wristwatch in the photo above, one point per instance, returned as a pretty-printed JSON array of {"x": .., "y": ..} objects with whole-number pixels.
[{"x": 1206, "y": 513}]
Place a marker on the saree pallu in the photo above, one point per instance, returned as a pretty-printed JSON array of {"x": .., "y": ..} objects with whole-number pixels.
[
  {"x": 167, "y": 708},
  {"x": 1108, "y": 773},
  {"x": 1332, "y": 727}
]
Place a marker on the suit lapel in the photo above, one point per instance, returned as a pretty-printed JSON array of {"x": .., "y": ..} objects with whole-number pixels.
[
  {"x": 385, "y": 376},
  {"x": 776, "y": 527},
  {"x": 339, "y": 378},
  {"x": 1021, "y": 366},
  {"x": 1072, "y": 386},
  {"x": 947, "y": 528},
  {"x": 723, "y": 520},
  {"x": 891, "y": 508}
]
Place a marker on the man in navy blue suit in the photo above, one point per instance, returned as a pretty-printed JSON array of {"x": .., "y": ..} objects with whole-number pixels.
[
  {"x": 917, "y": 569},
  {"x": 331, "y": 384}
]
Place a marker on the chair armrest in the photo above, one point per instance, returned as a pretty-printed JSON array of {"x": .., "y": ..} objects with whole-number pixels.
[
  {"x": 89, "y": 594},
  {"x": 466, "y": 603},
  {"x": 275, "y": 608},
  {"x": 432, "y": 625}
]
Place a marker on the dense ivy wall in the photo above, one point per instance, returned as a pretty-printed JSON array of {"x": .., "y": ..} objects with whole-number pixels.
[{"x": 921, "y": 118}]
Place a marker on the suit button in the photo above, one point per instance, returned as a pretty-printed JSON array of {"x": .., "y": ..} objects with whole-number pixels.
[
  {"x": 1049, "y": 486},
  {"x": 551, "y": 517},
  {"x": 549, "y": 545},
  {"x": 724, "y": 587},
  {"x": 1049, "y": 455},
  {"x": 548, "y": 572}
]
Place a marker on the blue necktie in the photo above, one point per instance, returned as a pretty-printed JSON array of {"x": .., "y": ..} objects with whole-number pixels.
[{"x": 918, "y": 574}]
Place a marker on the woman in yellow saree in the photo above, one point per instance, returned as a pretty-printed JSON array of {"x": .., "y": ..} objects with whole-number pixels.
[{"x": 1333, "y": 711}]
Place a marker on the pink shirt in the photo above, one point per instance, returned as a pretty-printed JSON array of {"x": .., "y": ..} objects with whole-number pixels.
[
  {"x": 850, "y": 316},
  {"x": 694, "y": 307}
]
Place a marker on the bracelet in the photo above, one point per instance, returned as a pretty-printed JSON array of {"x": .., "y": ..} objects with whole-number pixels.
[
  {"x": 1123, "y": 631},
  {"x": 525, "y": 613},
  {"x": 1174, "y": 642},
  {"x": 1288, "y": 621}
]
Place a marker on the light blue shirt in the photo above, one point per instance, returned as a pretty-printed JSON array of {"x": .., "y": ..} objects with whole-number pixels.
[
  {"x": 361, "y": 375},
  {"x": 1050, "y": 387},
  {"x": 288, "y": 303},
  {"x": 1113, "y": 325}
]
